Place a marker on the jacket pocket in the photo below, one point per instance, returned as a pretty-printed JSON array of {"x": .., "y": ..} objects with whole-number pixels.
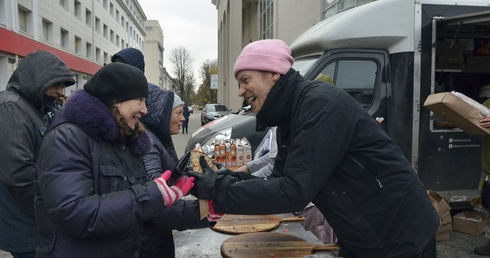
[{"x": 112, "y": 179}]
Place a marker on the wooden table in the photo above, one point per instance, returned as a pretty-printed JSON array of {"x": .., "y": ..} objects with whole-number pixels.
[{"x": 206, "y": 242}]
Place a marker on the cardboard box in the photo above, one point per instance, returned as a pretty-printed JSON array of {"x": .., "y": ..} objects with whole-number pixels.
[
  {"x": 456, "y": 111},
  {"x": 470, "y": 222},
  {"x": 440, "y": 204},
  {"x": 442, "y": 237}
]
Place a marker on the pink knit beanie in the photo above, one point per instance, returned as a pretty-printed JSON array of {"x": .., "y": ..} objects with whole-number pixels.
[{"x": 269, "y": 55}]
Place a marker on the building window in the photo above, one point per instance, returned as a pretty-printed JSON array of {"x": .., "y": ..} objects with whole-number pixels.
[
  {"x": 112, "y": 37},
  {"x": 64, "y": 3},
  {"x": 117, "y": 40},
  {"x": 106, "y": 58},
  {"x": 122, "y": 21},
  {"x": 25, "y": 20},
  {"x": 266, "y": 19},
  {"x": 64, "y": 38},
  {"x": 105, "y": 33},
  {"x": 117, "y": 16},
  {"x": 332, "y": 7},
  {"x": 89, "y": 50},
  {"x": 88, "y": 17},
  {"x": 97, "y": 55},
  {"x": 3, "y": 13},
  {"x": 47, "y": 30},
  {"x": 97, "y": 24},
  {"x": 104, "y": 4},
  {"x": 78, "y": 44},
  {"x": 77, "y": 8},
  {"x": 111, "y": 10}
]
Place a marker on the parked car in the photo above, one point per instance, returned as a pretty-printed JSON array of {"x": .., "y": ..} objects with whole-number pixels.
[
  {"x": 232, "y": 126},
  {"x": 211, "y": 112},
  {"x": 191, "y": 109}
]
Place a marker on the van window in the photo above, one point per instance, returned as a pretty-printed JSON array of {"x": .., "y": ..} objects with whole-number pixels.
[{"x": 356, "y": 77}]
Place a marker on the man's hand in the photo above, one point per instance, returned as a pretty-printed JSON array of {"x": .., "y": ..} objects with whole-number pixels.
[
  {"x": 485, "y": 122},
  {"x": 205, "y": 181}
]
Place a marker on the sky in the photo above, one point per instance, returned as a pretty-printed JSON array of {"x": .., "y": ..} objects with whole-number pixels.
[{"x": 188, "y": 23}]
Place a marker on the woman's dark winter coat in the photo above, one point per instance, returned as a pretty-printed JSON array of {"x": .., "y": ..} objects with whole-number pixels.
[
  {"x": 333, "y": 153},
  {"x": 23, "y": 111},
  {"x": 162, "y": 156},
  {"x": 94, "y": 195}
]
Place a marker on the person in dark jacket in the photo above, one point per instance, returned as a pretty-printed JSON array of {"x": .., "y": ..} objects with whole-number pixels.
[
  {"x": 27, "y": 106},
  {"x": 94, "y": 195},
  {"x": 164, "y": 119},
  {"x": 185, "y": 125},
  {"x": 332, "y": 153}
]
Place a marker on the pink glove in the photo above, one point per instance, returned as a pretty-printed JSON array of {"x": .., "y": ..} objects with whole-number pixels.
[
  {"x": 176, "y": 191},
  {"x": 213, "y": 216}
]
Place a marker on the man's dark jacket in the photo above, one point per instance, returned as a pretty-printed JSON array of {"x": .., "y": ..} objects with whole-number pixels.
[
  {"x": 332, "y": 152},
  {"x": 23, "y": 111}
]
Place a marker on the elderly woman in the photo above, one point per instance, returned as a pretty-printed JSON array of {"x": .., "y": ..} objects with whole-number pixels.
[{"x": 94, "y": 195}]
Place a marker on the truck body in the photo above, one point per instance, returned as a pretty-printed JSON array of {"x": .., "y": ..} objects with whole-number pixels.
[{"x": 390, "y": 55}]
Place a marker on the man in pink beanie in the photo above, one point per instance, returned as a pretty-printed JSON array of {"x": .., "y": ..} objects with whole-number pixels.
[{"x": 332, "y": 153}]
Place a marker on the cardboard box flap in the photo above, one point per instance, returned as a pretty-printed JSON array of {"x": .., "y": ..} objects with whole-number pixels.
[
  {"x": 455, "y": 110},
  {"x": 439, "y": 202}
]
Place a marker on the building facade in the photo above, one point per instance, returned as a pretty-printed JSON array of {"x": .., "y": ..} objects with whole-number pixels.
[
  {"x": 83, "y": 33},
  {"x": 155, "y": 73},
  {"x": 241, "y": 22}
]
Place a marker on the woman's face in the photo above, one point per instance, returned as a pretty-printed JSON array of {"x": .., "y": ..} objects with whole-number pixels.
[
  {"x": 176, "y": 120},
  {"x": 132, "y": 110}
]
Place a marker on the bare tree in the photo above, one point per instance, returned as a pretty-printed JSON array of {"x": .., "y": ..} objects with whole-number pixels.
[
  {"x": 184, "y": 76},
  {"x": 205, "y": 94}
]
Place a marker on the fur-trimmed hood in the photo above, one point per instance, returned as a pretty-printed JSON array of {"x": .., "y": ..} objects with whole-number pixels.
[{"x": 96, "y": 120}]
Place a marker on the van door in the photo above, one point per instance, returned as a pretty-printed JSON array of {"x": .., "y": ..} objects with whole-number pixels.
[
  {"x": 362, "y": 74},
  {"x": 450, "y": 159}
]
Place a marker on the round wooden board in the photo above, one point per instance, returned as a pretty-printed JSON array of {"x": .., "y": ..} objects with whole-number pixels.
[
  {"x": 240, "y": 224},
  {"x": 269, "y": 244}
]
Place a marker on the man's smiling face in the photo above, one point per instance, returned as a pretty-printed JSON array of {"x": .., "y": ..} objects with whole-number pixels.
[{"x": 254, "y": 86}]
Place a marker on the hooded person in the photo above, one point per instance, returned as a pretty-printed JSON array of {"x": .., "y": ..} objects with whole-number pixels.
[
  {"x": 331, "y": 153},
  {"x": 94, "y": 196},
  {"x": 163, "y": 120},
  {"x": 26, "y": 107}
]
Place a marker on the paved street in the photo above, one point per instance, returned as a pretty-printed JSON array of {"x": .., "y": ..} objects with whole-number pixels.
[{"x": 460, "y": 245}]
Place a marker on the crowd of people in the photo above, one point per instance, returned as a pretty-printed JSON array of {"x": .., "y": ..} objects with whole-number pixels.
[{"x": 89, "y": 176}]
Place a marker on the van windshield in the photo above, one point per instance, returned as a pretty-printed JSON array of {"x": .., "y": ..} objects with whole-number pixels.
[{"x": 304, "y": 64}]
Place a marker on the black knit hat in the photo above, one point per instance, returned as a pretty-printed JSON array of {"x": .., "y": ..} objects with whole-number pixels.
[
  {"x": 131, "y": 56},
  {"x": 117, "y": 82}
]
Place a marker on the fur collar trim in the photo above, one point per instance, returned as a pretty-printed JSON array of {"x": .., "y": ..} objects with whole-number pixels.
[{"x": 96, "y": 120}]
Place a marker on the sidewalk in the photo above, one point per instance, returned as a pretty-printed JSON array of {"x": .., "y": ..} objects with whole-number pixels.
[{"x": 459, "y": 245}]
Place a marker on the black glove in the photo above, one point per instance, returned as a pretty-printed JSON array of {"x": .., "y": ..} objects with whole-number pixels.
[
  {"x": 205, "y": 181},
  {"x": 240, "y": 175}
]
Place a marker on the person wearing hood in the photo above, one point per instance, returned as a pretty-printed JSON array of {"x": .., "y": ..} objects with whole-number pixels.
[
  {"x": 94, "y": 195},
  {"x": 27, "y": 107},
  {"x": 164, "y": 119},
  {"x": 332, "y": 153}
]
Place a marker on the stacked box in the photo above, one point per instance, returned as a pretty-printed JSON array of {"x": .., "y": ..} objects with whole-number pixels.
[
  {"x": 444, "y": 210},
  {"x": 470, "y": 222}
]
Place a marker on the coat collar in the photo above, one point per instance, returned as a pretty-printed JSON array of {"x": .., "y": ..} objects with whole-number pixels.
[
  {"x": 96, "y": 120},
  {"x": 276, "y": 109}
]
